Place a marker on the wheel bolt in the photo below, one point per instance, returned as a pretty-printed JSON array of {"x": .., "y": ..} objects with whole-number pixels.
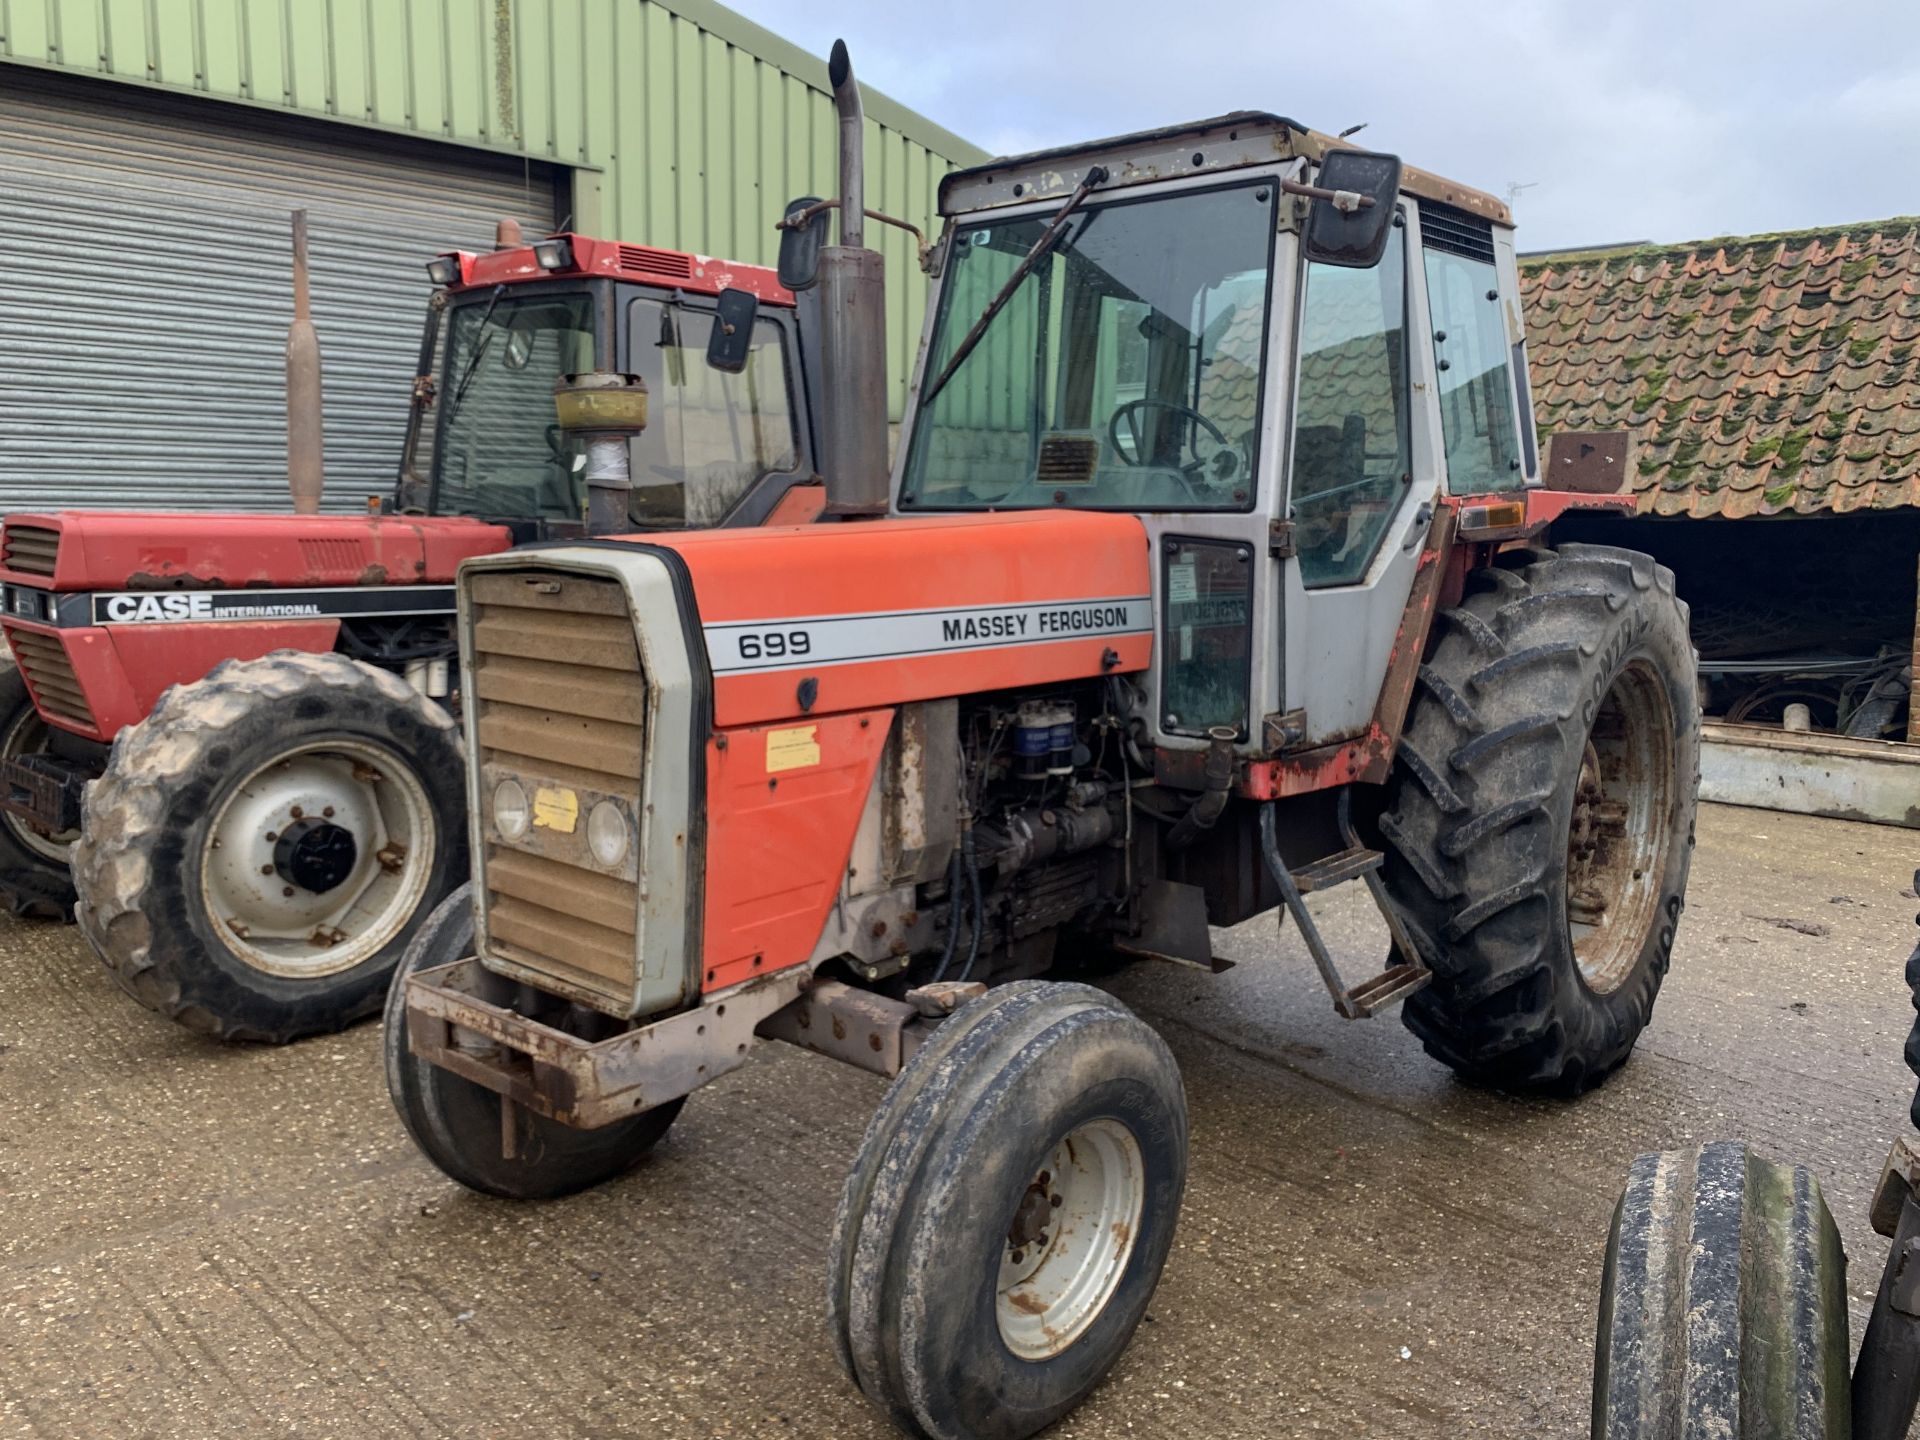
[
  {"x": 287, "y": 890},
  {"x": 266, "y": 869},
  {"x": 296, "y": 812},
  {"x": 327, "y": 813},
  {"x": 1057, "y": 1201},
  {"x": 1019, "y": 1257},
  {"x": 272, "y": 836}
]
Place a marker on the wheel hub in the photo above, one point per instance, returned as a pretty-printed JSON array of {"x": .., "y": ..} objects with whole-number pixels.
[
  {"x": 1070, "y": 1238},
  {"x": 314, "y": 854}
]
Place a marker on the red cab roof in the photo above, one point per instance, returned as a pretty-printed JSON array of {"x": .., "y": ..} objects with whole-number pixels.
[{"x": 617, "y": 260}]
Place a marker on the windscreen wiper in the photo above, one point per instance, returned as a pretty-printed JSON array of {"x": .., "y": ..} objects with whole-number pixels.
[
  {"x": 1096, "y": 175},
  {"x": 479, "y": 352}
]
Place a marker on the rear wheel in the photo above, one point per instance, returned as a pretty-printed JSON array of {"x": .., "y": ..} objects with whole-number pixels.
[
  {"x": 35, "y": 877},
  {"x": 457, "y": 1124},
  {"x": 263, "y": 846},
  {"x": 1540, "y": 818},
  {"x": 1009, "y": 1214},
  {"x": 1723, "y": 1306}
]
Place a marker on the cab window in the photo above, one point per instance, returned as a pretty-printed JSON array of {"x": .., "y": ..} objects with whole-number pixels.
[
  {"x": 1470, "y": 353},
  {"x": 1352, "y": 452},
  {"x": 710, "y": 435}
]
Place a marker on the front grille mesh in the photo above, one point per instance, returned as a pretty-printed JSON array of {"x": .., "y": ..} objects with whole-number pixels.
[
  {"x": 560, "y": 701},
  {"x": 56, "y": 689},
  {"x": 30, "y": 549}
]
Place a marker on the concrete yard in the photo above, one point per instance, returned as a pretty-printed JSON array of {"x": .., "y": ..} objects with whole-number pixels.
[{"x": 208, "y": 1241}]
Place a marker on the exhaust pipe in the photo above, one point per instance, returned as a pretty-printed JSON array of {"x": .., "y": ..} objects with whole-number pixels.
[
  {"x": 853, "y": 309},
  {"x": 305, "y": 465}
]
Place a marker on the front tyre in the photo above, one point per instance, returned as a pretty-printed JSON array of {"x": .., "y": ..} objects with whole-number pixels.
[
  {"x": 1540, "y": 815},
  {"x": 457, "y": 1124},
  {"x": 1009, "y": 1214},
  {"x": 1723, "y": 1305},
  {"x": 264, "y": 845},
  {"x": 35, "y": 877}
]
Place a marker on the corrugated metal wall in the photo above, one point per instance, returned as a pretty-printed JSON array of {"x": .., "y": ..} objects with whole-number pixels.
[
  {"x": 691, "y": 125},
  {"x": 145, "y": 290}
]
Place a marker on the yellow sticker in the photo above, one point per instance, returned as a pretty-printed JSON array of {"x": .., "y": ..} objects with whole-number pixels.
[
  {"x": 555, "y": 809},
  {"x": 792, "y": 749}
]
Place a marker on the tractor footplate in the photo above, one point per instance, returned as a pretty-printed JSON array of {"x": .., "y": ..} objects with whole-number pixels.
[
  {"x": 583, "y": 1083},
  {"x": 44, "y": 789},
  {"x": 1393, "y": 984}
]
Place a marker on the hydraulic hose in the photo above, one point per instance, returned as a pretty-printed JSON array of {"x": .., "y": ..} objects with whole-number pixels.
[
  {"x": 979, "y": 904},
  {"x": 956, "y": 909}
]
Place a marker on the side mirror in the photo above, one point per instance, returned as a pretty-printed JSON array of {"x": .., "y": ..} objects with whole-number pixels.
[
  {"x": 732, "y": 339},
  {"x": 800, "y": 245},
  {"x": 1354, "y": 236}
]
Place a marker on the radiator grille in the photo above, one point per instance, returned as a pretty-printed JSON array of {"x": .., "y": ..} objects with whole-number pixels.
[
  {"x": 56, "y": 689},
  {"x": 561, "y": 708},
  {"x": 30, "y": 549}
]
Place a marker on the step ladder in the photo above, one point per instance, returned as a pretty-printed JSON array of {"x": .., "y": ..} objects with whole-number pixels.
[{"x": 1356, "y": 862}]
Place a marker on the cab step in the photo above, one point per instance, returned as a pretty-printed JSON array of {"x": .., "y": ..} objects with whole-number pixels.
[
  {"x": 1392, "y": 984},
  {"x": 1332, "y": 870}
]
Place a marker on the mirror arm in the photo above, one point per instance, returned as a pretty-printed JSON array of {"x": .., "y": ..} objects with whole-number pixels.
[
  {"x": 1344, "y": 200},
  {"x": 799, "y": 220}
]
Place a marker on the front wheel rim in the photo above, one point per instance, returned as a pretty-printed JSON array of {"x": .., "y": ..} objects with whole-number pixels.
[
  {"x": 28, "y": 736},
  {"x": 278, "y": 909},
  {"x": 1072, "y": 1234},
  {"x": 1620, "y": 837}
]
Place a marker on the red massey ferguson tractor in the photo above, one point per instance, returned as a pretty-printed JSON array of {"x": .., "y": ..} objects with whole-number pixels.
[
  {"x": 1210, "y": 574},
  {"x": 229, "y": 737}
]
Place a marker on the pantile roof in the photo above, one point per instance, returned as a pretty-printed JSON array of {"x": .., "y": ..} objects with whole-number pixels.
[{"x": 1757, "y": 376}]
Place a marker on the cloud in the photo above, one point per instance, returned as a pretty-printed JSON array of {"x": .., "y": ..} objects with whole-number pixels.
[{"x": 1643, "y": 119}]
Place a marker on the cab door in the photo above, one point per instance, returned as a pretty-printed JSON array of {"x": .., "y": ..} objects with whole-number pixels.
[{"x": 1363, "y": 474}]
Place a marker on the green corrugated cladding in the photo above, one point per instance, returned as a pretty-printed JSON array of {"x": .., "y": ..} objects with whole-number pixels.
[{"x": 686, "y": 125}]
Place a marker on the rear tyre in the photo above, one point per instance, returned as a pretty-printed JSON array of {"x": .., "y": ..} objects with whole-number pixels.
[
  {"x": 1540, "y": 815},
  {"x": 36, "y": 880},
  {"x": 1008, "y": 1216},
  {"x": 264, "y": 845},
  {"x": 1723, "y": 1306},
  {"x": 457, "y": 1124}
]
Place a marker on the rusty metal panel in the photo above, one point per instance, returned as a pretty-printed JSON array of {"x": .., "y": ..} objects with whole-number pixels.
[{"x": 1592, "y": 462}]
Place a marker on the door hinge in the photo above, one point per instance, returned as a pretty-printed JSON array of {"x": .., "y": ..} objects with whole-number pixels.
[
  {"x": 1280, "y": 540},
  {"x": 1281, "y": 732}
]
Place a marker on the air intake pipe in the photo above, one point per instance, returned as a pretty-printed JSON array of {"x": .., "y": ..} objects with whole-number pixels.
[{"x": 853, "y": 308}]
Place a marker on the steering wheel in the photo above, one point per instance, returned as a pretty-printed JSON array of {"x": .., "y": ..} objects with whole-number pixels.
[{"x": 1132, "y": 408}]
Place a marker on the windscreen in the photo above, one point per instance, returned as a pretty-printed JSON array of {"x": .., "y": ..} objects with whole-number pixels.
[
  {"x": 1124, "y": 371},
  {"x": 498, "y": 450}
]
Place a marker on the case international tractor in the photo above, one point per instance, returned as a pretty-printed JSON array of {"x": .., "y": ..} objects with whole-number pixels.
[
  {"x": 1208, "y": 576},
  {"x": 237, "y": 727}
]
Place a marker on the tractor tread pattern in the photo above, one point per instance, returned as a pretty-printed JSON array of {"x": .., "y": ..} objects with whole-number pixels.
[{"x": 1479, "y": 803}]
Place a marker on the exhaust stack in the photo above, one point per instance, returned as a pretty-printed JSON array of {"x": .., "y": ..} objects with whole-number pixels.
[
  {"x": 306, "y": 476},
  {"x": 853, "y": 308}
]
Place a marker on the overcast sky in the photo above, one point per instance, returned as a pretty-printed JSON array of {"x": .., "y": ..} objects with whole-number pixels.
[{"x": 1660, "y": 120}]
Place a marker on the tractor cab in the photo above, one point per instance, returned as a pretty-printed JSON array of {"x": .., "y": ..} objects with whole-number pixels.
[
  {"x": 726, "y": 432},
  {"x": 1282, "y": 354}
]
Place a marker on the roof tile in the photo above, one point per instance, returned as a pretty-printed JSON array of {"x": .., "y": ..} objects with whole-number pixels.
[{"x": 1759, "y": 375}]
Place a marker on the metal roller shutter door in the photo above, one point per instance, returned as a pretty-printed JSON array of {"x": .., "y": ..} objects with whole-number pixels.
[{"x": 146, "y": 286}]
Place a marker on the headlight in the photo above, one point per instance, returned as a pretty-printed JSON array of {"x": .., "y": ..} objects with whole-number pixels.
[
  {"x": 607, "y": 833},
  {"x": 511, "y": 813},
  {"x": 553, "y": 253},
  {"x": 444, "y": 269}
]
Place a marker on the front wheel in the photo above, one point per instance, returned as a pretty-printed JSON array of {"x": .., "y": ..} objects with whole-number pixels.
[
  {"x": 1723, "y": 1305},
  {"x": 1009, "y": 1213},
  {"x": 457, "y": 1124},
  {"x": 1540, "y": 817},
  {"x": 263, "y": 846},
  {"x": 35, "y": 878}
]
